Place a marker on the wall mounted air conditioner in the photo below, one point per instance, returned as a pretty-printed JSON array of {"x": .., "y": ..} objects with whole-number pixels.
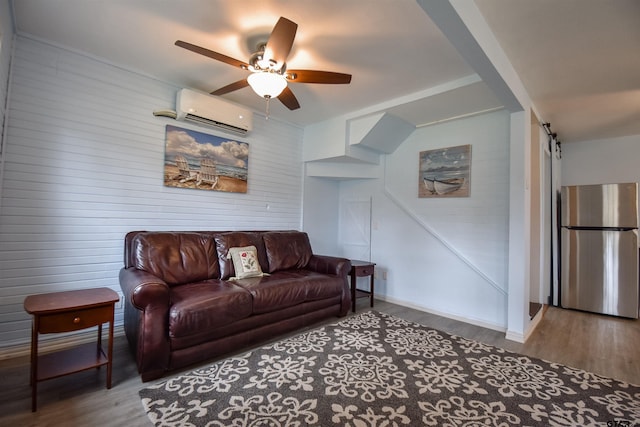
[{"x": 208, "y": 110}]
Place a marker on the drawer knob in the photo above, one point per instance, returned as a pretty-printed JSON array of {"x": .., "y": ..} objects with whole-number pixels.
[{"x": 76, "y": 320}]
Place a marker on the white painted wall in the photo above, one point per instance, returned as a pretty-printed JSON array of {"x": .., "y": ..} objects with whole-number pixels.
[
  {"x": 84, "y": 165},
  {"x": 325, "y": 140},
  {"x": 320, "y": 216},
  {"x": 601, "y": 161},
  {"x": 519, "y": 212},
  {"x": 447, "y": 255}
]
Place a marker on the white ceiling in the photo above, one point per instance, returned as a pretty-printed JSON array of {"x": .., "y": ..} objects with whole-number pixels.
[{"x": 579, "y": 60}]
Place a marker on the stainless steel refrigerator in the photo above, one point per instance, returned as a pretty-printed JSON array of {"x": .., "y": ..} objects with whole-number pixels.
[{"x": 599, "y": 246}]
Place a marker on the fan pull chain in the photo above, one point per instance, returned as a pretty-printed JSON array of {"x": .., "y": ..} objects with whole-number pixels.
[{"x": 267, "y": 112}]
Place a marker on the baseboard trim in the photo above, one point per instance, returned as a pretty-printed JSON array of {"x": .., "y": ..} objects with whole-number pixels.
[
  {"x": 49, "y": 343},
  {"x": 469, "y": 320},
  {"x": 533, "y": 324}
]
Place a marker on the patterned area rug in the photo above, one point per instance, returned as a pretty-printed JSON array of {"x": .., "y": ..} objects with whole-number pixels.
[{"x": 378, "y": 370}]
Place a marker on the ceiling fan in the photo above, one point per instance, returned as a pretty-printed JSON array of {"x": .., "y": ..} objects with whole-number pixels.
[{"x": 269, "y": 75}]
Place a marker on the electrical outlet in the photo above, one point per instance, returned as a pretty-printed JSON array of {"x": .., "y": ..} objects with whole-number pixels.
[{"x": 384, "y": 274}]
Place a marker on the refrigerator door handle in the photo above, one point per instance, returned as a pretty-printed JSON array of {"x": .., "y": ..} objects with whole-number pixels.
[{"x": 573, "y": 227}]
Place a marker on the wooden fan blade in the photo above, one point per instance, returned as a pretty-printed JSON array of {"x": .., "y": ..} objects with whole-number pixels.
[
  {"x": 280, "y": 41},
  {"x": 289, "y": 99},
  {"x": 211, "y": 54},
  {"x": 313, "y": 76},
  {"x": 230, "y": 88}
]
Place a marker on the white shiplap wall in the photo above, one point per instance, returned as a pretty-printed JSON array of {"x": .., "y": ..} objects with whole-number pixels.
[
  {"x": 84, "y": 165},
  {"x": 6, "y": 43}
]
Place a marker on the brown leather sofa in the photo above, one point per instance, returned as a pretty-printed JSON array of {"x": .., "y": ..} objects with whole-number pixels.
[{"x": 182, "y": 303}]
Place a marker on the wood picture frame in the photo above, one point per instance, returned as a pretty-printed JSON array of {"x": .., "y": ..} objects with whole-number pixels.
[
  {"x": 205, "y": 162},
  {"x": 445, "y": 172}
]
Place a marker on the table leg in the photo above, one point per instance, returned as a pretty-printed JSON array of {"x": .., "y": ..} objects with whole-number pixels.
[
  {"x": 110, "y": 352},
  {"x": 34, "y": 363},
  {"x": 353, "y": 292},
  {"x": 99, "y": 345},
  {"x": 371, "y": 290}
]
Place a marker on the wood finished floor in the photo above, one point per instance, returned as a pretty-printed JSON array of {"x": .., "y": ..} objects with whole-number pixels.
[{"x": 601, "y": 344}]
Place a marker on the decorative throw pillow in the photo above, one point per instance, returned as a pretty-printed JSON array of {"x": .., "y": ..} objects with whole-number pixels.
[{"x": 245, "y": 262}]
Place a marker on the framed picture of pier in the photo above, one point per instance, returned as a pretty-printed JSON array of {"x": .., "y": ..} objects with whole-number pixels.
[
  {"x": 198, "y": 160},
  {"x": 445, "y": 172}
]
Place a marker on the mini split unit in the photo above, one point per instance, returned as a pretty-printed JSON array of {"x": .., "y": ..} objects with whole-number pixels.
[{"x": 211, "y": 111}]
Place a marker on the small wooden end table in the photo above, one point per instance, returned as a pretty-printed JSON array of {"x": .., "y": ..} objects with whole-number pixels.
[
  {"x": 361, "y": 269},
  {"x": 64, "y": 312}
]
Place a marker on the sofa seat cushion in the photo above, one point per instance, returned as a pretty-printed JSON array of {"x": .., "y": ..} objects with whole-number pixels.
[
  {"x": 198, "y": 307},
  {"x": 288, "y": 288}
]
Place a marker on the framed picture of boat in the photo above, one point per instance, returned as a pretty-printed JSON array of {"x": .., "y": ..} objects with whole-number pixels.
[
  {"x": 445, "y": 172},
  {"x": 205, "y": 162}
]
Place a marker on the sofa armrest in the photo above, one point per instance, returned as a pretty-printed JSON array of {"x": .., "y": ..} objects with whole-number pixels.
[
  {"x": 146, "y": 314},
  {"x": 143, "y": 289},
  {"x": 338, "y": 266},
  {"x": 329, "y": 265}
]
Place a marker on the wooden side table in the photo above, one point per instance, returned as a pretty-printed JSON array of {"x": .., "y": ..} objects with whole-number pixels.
[
  {"x": 64, "y": 312},
  {"x": 361, "y": 269}
]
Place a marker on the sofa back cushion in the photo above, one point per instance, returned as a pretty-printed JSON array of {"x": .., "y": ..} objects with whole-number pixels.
[
  {"x": 176, "y": 257},
  {"x": 287, "y": 250},
  {"x": 236, "y": 239}
]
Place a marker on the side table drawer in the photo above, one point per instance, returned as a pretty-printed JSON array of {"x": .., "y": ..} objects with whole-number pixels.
[
  {"x": 75, "y": 320},
  {"x": 366, "y": 270}
]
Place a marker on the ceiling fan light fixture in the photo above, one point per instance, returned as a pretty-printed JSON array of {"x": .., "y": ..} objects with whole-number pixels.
[
  {"x": 268, "y": 66},
  {"x": 267, "y": 84}
]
